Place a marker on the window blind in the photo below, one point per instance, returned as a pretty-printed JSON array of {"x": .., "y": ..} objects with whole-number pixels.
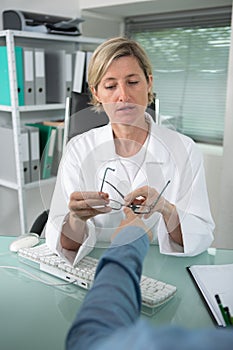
[{"x": 189, "y": 54}]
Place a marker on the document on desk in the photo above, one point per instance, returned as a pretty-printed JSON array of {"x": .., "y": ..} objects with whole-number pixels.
[{"x": 215, "y": 280}]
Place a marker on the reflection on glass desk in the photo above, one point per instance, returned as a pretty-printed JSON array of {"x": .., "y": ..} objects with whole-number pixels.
[{"x": 38, "y": 316}]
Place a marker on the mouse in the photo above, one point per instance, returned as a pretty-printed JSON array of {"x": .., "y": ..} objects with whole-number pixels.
[{"x": 24, "y": 241}]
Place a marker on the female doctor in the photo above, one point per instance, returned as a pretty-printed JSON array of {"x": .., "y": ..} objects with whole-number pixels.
[{"x": 131, "y": 161}]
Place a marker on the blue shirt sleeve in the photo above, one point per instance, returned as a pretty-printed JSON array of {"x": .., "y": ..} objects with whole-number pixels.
[
  {"x": 114, "y": 301},
  {"x": 142, "y": 335},
  {"x": 109, "y": 316}
]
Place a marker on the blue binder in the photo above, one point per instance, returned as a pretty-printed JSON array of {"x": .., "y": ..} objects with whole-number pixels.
[{"x": 5, "y": 97}]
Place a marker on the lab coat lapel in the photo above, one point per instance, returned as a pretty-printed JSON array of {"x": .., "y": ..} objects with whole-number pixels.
[
  {"x": 104, "y": 143},
  {"x": 155, "y": 166},
  {"x": 106, "y": 157}
]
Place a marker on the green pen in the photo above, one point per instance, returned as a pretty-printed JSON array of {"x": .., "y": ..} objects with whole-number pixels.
[
  {"x": 226, "y": 309},
  {"x": 224, "y": 315}
]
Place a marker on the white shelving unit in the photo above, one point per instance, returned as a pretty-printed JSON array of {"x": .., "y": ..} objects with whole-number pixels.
[{"x": 22, "y": 114}]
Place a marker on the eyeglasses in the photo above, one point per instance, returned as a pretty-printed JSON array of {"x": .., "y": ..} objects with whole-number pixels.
[
  {"x": 116, "y": 205},
  {"x": 137, "y": 208}
]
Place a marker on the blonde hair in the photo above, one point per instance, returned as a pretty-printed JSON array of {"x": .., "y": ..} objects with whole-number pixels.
[{"x": 110, "y": 50}]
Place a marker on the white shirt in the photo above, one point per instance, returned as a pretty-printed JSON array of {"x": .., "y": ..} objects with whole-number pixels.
[{"x": 169, "y": 156}]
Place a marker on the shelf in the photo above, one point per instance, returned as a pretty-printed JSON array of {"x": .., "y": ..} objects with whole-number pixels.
[
  {"x": 43, "y": 36},
  {"x": 44, "y": 182},
  {"x": 5, "y": 108},
  {"x": 53, "y": 106},
  {"x": 36, "y": 184},
  {"x": 9, "y": 184},
  {"x": 48, "y": 107}
]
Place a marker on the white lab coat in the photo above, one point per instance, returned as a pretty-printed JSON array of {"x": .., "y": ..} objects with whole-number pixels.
[{"x": 170, "y": 156}]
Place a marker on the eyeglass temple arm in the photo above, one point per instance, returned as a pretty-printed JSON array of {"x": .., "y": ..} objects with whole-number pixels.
[
  {"x": 109, "y": 183},
  {"x": 159, "y": 196},
  {"x": 103, "y": 181}
]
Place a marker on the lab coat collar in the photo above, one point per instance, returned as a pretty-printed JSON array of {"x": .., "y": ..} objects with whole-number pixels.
[{"x": 156, "y": 152}]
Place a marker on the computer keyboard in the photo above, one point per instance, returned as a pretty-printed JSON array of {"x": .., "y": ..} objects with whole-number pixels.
[{"x": 154, "y": 293}]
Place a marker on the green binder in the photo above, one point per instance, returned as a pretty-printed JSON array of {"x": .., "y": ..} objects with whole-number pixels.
[
  {"x": 47, "y": 135},
  {"x": 5, "y": 97}
]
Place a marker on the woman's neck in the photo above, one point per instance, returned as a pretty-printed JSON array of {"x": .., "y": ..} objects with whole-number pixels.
[{"x": 129, "y": 139}]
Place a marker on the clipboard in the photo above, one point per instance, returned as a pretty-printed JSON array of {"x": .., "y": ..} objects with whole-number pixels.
[{"x": 211, "y": 280}]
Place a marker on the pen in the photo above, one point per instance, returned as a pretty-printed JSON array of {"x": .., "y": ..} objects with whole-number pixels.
[
  {"x": 159, "y": 196},
  {"x": 226, "y": 309},
  {"x": 223, "y": 312}
]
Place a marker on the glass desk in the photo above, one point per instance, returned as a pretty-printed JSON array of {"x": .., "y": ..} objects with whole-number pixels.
[{"x": 37, "y": 316}]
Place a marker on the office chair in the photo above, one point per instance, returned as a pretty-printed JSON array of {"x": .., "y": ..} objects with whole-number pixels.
[
  {"x": 79, "y": 118},
  {"x": 40, "y": 222}
]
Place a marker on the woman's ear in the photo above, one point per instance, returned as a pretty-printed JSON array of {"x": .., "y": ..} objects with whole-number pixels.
[
  {"x": 94, "y": 93},
  {"x": 150, "y": 82}
]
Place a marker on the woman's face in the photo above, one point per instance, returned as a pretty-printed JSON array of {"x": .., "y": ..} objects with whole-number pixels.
[{"x": 123, "y": 91}]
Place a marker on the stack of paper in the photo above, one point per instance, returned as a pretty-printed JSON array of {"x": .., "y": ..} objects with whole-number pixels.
[{"x": 212, "y": 280}]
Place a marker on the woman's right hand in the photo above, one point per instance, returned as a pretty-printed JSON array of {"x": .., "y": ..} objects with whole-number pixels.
[{"x": 85, "y": 205}]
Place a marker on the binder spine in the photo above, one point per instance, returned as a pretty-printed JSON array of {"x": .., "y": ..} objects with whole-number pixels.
[
  {"x": 28, "y": 60},
  {"x": 39, "y": 76},
  {"x": 5, "y": 97}
]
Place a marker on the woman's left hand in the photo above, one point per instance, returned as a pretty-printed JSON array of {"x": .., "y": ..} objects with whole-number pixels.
[
  {"x": 149, "y": 196},
  {"x": 146, "y": 196}
]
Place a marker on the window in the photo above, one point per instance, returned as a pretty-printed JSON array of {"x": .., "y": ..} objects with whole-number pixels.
[{"x": 189, "y": 54}]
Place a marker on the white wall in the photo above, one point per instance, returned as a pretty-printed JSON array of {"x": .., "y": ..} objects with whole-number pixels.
[{"x": 101, "y": 26}]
